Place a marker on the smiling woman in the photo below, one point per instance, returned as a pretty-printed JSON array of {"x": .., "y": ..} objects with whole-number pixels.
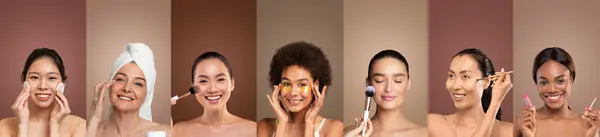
[
  {"x": 130, "y": 92},
  {"x": 213, "y": 82},
  {"x": 50, "y": 112},
  {"x": 300, "y": 74}
]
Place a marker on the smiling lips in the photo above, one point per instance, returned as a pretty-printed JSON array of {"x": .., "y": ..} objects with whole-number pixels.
[
  {"x": 553, "y": 98},
  {"x": 458, "y": 96},
  {"x": 295, "y": 102},
  {"x": 213, "y": 99},
  {"x": 388, "y": 98},
  {"x": 43, "y": 96},
  {"x": 124, "y": 98}
]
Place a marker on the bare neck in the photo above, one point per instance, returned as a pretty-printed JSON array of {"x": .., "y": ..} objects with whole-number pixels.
[
  {"x": 470, "y": 116},
  {"x": 390, "y": 119},
  {"x": 125, "y": 121},
  {"x": 215, "y": 117},
  {"x": 38, "y": 114}
]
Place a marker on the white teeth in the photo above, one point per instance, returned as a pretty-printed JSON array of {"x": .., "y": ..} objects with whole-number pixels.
[
  {"x": 458, "y": 95},
  {"x": 43, "y": 95},
  {"x": 295, "y": 100},
  {"x": 213, "y": 97},
  {"x": 554, "y": 97},
  {"x": 125, "y": 98}
]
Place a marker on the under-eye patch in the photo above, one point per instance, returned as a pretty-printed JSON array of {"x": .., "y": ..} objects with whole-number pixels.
[{"x": 301, "y": 89}]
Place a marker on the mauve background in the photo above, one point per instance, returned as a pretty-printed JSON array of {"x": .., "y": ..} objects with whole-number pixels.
[
  {"x": 225, "y": 27},
  {"x": 27, "y": 25},
  {"x": 456, "y": 25},
  {"x": 571, "y": 25}
]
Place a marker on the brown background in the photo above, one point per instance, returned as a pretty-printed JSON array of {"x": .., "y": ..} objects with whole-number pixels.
[
  {"x": 373, "y": 26},
  {"x": 221, "y": 26},
  {"x": 111, "y": 25},
  {"x": 317, "y": 21},
  {"x": 573, "y": 26},
  {"x": 456, "y": 25},
  {"x": 27, "y": 25}
]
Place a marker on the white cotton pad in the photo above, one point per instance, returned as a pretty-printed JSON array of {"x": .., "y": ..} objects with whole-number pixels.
[
  {"x": 156, "y": 134},
  {"x": 61, "y": 88},
  {"x": 26, "y": 84}
]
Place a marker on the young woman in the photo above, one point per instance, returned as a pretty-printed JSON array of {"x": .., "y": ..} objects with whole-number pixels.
[
  {"x": 470, "y": 87},
  {"x": 300, "y": 74},
  {"x": 130, "y": 94},
  {"x": 388, "y": 74},
  {"x": 213, "y": 80},
  {"x": 40, "y": 109},
  {"x": 553, "y": 73}
]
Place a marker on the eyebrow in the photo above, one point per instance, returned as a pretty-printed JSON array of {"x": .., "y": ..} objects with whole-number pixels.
[
  {"x": 205, "y": 76},
  {"x": 395, "y": 75},
  {"x": 39, "y": 73},
  {"x": 140, "y": 78},
  {"x": 559, "y": 76},
  {"x": 302, "y": 79}
]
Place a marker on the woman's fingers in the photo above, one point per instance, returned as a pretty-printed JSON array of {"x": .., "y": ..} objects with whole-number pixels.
[{"x": 369, "y": 128}]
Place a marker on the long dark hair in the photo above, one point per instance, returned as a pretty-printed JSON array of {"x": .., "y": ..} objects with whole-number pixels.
[{"x": 41, "y": 53}]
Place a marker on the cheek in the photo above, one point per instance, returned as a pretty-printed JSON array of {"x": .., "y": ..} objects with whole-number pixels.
[{"x": 449, "y": 84}]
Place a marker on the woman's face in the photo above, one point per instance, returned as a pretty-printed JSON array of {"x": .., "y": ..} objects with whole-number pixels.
[
  {"x": 462, "y": 83},
  {"x": 129, "y": 91},
  {"x": 296, "y": 88},
  {"x": 390, "y": 80},
  {"x": 43, "y": 77},
  {"x": 213, "y": 83},
  {"x": 554, "y": 84}
]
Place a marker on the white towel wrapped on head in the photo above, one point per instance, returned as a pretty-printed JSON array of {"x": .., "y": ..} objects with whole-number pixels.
[{"x": 142, "y": 56}]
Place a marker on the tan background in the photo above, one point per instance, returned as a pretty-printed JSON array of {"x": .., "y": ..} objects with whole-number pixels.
[
  {"x": 373, "y": 26},
  {"x": 456, "y": 25},
  {"x": 110, "y": 26},
  {"x": 570, "y": 25},
  {"x": 315, "y": 21},
  {"x": 27, "y": 25},
  {"x": 222, "y": 26}
]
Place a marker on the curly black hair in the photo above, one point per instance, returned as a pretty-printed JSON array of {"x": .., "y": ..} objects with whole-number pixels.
[{"x": 305, "y": 55}]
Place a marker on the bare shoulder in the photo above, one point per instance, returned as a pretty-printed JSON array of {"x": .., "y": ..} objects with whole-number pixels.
[
  {"x": 8, "y": 126},
  {"x": 73, "y": 120},
  {"x": 436, "y": 120},
  {"x": 265, "y": 127},
  {"x": 506, "y": 129},
  {"x": 246, "y": 123},
  {"x": 337, "y": 124},
  {"x": 267, "y": 123},
  {"x": 420, "y": 131}
]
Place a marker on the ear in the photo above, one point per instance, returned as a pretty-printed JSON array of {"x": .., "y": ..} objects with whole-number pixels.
[
  {"x": 408, "y": 86},
  {"x": 317, "y": 84},
  {"x": 232, "y": 84},
  {"x": 487, "y": 83},
  {"x": 367, "y": 82}
]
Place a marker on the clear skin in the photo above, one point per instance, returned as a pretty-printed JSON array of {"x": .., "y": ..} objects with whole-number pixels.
[
  {"x": 300, "y": 118},
  {"x": 471, "y": 120},
  {"x": 554, "y": 79},
  {"x": 128, "y": 82},
  {"x": 42, "y": 118},
  {"x": 213, "y": 79},
  {"x": 391, "y": 82}
]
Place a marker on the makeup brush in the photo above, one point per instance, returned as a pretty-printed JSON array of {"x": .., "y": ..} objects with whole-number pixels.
[{"x": 175, "y": 98}]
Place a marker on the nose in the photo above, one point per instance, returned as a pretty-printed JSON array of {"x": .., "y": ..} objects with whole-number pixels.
[
  {"x": 212, "y": 88},
  {"x": 388, "y": 86},
  {"x": 127, "y": 88},
  {"x": 43, "y": 85},
  {"x": 553, "y": 88},
  {"x": 456, "y": 85}
]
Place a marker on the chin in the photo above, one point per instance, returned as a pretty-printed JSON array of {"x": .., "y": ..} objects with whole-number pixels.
[
  {"x": 557, "y": 105},
  {"x": 295, "y": 108}
]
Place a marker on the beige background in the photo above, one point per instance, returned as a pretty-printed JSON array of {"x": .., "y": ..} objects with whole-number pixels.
[
  {"x": 111, "y": 25},
  {"x": 370, "y": 27},
  {"x": 283, "y": 22},
  {"x": 573, "y": 26},
  {"x": 27, "y": 25}
]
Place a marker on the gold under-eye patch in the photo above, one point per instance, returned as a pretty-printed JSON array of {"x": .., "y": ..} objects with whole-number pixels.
[{"x": 288, "y": 88}]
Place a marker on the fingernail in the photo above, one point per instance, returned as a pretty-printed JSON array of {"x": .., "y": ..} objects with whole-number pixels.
[{"x": 502, "y": 70}]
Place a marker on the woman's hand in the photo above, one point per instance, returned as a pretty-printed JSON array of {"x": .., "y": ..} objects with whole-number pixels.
[
  {"x": 359, "y": 125},
  {"x": 592, "y": 118},
  {"x": 280, "y": 112},
  {"x": 21, "y": 106},
  {"x": 21, "y": 110},
  {"x": 313, "y": 111},
  {"x": 527, "y": 124},
  {"x": 61, "y": 108},
  {"x": 96, "y": 116},
  {"x": 501, "y": 87}
]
